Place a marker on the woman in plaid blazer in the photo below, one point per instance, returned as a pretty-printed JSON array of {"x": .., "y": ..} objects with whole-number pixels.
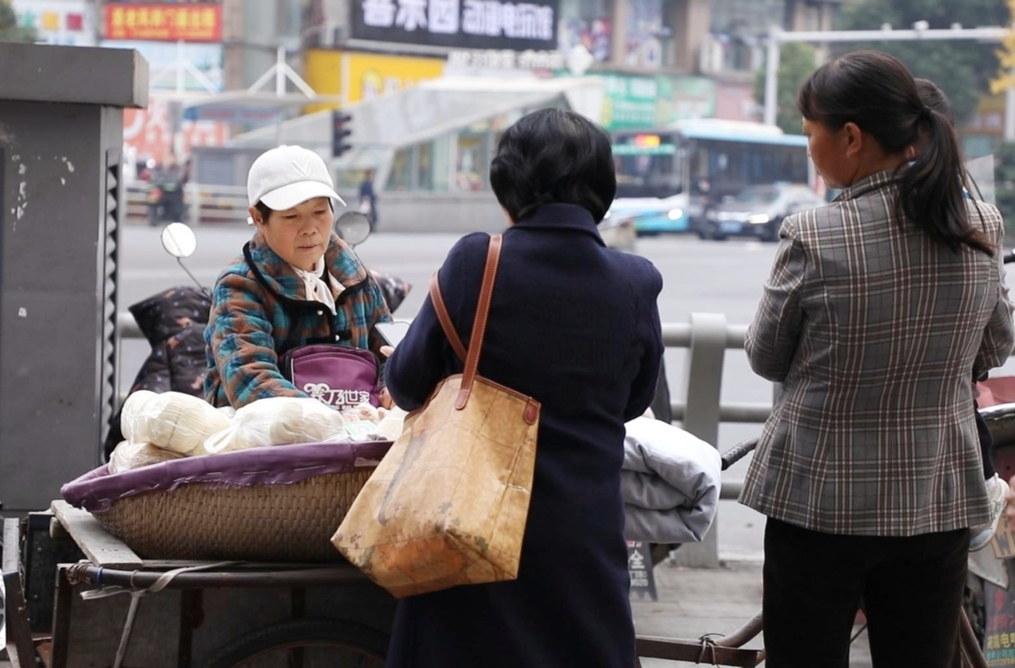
[{"x": 877, "y": 307}]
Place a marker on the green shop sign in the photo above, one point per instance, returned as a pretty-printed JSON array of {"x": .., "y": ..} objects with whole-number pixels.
[{"x": 638, "y": 101}]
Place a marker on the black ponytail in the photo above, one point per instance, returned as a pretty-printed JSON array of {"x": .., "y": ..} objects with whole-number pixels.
[
  {"x": 875, "y": 91},
  {"x": 933, "y": 190}
]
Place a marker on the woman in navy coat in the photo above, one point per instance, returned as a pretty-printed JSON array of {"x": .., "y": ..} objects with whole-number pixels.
[{"x": 574, "y": 325}]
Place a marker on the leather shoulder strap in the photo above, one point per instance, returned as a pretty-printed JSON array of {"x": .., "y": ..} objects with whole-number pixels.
[
  {"x": 479, "y": 324},
  {"x": 445, "y": 319}
]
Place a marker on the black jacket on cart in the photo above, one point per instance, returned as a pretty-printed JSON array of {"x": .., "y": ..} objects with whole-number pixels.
[{"x": 173, "y": 322}]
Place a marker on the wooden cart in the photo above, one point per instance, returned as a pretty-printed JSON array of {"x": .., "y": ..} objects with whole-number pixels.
[{"x": 77, "y": 596}]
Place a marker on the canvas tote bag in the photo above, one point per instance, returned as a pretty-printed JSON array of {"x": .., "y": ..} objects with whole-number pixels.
[{"x": 448, "y": 503}]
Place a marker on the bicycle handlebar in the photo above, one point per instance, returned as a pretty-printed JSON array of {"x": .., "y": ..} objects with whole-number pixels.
[{"x": 737, "y": 452}]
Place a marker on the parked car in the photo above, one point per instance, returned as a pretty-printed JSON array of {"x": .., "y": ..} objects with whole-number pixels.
[{"x": 757, "y": 211}]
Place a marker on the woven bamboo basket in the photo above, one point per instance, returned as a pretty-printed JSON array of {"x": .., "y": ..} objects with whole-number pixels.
[{"x": 280, "y": 504}]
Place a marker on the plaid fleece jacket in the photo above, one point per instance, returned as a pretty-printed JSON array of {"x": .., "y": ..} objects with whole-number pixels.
[
  {"x": 259, "y": 310},
  {"x": 875, "y": 331}
]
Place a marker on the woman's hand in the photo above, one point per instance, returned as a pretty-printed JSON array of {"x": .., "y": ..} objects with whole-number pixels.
[{"x": 384, "y": 396}]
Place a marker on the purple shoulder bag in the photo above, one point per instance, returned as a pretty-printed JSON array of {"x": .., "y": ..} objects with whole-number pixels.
[{"x": 339, "y": 376}]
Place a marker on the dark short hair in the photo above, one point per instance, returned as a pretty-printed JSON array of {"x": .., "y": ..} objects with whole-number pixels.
[
  {"x": 265, "y": 212},
  {"x": 263, "y": 209},
  {"x": 553, "y": 156}
]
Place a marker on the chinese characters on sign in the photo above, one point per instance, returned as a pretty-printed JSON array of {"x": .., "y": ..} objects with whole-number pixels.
[
  {"x": 634, "y": 101},
  {"x": 167, "y": 22},
  {"x": 999, "y": 606},
  {"x": 639, "y": 567},
  {"x": 999, "y": 631},
  {"x": 505, "y": 59},
  {"x": 476, "y": 24}
]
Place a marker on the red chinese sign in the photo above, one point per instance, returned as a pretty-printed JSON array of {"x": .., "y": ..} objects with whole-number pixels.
[{"x": 171, "y": 23}]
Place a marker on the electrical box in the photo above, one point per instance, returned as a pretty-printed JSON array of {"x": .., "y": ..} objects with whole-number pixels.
[{"x": 61, "y": 207}]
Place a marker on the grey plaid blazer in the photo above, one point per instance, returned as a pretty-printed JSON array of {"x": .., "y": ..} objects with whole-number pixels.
[{"x": 875, "y": 332}]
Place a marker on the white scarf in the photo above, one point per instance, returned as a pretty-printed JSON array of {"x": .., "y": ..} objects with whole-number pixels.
[{"x": 317, "y": 289}]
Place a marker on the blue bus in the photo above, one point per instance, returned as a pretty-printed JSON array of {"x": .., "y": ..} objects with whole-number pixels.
[{"x": 667, "y": 177}]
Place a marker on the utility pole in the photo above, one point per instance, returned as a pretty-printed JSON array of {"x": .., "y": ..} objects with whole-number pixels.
[{"x": 777, "y": 37}]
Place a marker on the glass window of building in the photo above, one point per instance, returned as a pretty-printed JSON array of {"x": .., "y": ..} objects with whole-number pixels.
[
  {"x": 643, "y": 46},
  {"x": 422, "y": 167},
  {"x": 740, "y": 31},
  {"x": 458, "y": 161},
  {"x": 586, "y": 23},
  {"x": 472, "y": 159},
  {"x": 435, "y": 166},
  {"x": 400, "y": 177}
]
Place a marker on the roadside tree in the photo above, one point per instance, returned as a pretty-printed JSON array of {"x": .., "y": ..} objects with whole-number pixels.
[
  {"x": 10, "y": 31},
  {"x": 962, "y": 68},
  {"x": 796, "y": 62},
  {"x": 1006, "y": 56}
]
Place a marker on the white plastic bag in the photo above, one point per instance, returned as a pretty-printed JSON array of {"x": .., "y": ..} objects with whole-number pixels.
[
  {"x": 278, "y": 421},
  {"x": 128, "y": 456},
  {"x": 175, "y": 421}
]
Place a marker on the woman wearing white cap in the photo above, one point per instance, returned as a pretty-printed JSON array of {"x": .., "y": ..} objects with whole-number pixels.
[{"x": 297, "y": 282}]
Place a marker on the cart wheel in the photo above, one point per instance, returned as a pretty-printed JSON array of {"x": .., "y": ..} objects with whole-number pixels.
[{"x": 305, "y": 643}]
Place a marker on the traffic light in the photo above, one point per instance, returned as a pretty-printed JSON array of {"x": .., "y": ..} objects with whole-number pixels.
[{"x": 340, "y": 132}]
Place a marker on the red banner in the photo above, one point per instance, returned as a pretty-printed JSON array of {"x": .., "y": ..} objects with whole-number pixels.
[
  {"x": 168, "y": 22},
  {"x": 148, "y": 132}
]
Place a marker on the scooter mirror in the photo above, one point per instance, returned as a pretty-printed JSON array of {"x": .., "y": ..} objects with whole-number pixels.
[
  {"x": 179, "y": 240},
  {"x": 353, "y": 227}
]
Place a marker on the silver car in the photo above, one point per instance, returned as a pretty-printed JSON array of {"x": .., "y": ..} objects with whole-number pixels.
[{"x": 757, "y": 211}]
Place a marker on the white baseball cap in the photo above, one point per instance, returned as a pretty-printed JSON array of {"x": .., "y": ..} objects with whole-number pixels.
[{"x": 286, "y": 176}]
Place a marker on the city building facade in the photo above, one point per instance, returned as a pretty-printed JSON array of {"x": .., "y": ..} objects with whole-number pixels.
[{"x": 625, "y": 63}]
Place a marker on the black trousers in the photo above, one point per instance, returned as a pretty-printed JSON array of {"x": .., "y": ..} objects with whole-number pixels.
[{"x": 911, "y": 588}]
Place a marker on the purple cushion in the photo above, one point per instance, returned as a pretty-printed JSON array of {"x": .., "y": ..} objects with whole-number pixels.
[{"x": 97, "y": 490}]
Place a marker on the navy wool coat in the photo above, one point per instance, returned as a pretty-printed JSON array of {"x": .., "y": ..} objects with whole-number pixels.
[{"x": 574, "y": 325}]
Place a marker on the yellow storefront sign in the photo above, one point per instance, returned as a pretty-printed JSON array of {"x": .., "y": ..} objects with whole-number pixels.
[{"x": 363, "y": 76}]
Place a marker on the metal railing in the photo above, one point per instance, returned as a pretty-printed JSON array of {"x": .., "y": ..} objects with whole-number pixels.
[
  {"x": 707, "y": 337},
  {"x": 701, "y": 411},
  {"x": 204, "y": 204},
  {"x": 686, "y": 335}
]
